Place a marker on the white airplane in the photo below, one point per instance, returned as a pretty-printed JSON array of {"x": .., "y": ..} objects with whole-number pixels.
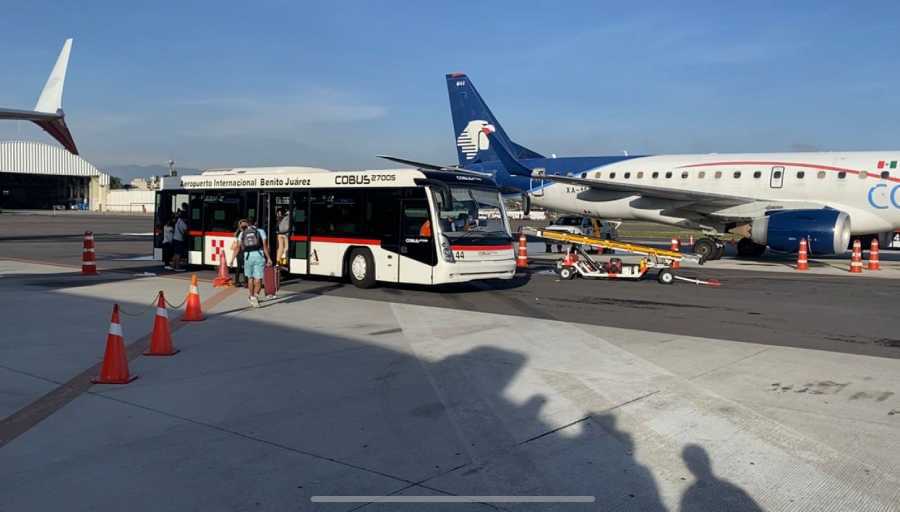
[
  {"x": 768, "y": 199},
  {"x": 48, "y": 113}
]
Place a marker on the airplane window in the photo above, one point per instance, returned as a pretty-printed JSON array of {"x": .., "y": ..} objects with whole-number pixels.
[
  {"x": 863, "y": 175},
  {"x": 598, "y": 175},
  {"x": 842, "y": 175},
  {"x": 737, "y": 174},
  {"x": 821, "y": 175},
  {"x": 684, "y": 175},
  {"x": 655, "y": 175},
  {"x": 718, "y": 174},
  {"x": 701, "y": 174},
  {"x": 640, "y": 174},
  {"x": 885, "y": 175},
  {"x": 757, "y": 174},
  {"x": 584, "y": 175},
  {"x": 800, "y": 175},
  {"x": 612, "y": 175},
  {"x": 668, "y": 175},
  {"x": 627, "y": 175},
  {"x": 776, "y": 174}
]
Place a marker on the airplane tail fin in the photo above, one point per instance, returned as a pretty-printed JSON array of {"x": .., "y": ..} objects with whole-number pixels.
[
  {"x": 471, "y": 114},
  {"x": 50, "y": 100}
]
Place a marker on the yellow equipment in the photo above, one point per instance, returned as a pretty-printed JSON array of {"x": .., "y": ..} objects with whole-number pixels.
[{"x": 659, "y": 255}]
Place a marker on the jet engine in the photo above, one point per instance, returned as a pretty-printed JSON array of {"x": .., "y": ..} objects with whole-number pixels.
[{"x": 828, "y": 231}]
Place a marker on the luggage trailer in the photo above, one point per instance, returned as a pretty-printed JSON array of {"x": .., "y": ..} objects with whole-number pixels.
[{"x": 579, "y": 263}]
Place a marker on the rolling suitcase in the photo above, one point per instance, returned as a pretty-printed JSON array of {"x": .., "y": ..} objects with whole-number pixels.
[{"x": 271, "y": 280}]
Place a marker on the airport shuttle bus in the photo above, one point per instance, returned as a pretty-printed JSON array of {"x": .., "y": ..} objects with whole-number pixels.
[{"x": 399, "y": 226}]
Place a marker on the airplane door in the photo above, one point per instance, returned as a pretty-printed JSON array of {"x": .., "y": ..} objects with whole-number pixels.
[{"x": 776, "y": 178}]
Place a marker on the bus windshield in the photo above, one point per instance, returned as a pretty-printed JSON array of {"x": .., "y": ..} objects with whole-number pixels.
[{"x": 471, "y": 213}]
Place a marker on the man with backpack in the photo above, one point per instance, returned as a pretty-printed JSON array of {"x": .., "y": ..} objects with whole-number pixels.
[{"x": 251, "y": 241}]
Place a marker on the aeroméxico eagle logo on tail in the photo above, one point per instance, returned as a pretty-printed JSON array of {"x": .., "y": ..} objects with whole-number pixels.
[{"x": 474, "y": 138}]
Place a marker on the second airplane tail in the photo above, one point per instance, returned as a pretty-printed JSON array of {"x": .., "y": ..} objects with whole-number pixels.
[{"x": 470, "y": 115}]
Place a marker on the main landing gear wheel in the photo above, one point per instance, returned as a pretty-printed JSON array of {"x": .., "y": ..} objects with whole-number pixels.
[
  {"x": 706, "y": 248},
  {"x": 665, "y": 276},
  {"x": 362, "y": 268},
  {"x": 567, "y": 273},
  {"x": 720, "y": 250},
  {"x": 746, "y": 248}
]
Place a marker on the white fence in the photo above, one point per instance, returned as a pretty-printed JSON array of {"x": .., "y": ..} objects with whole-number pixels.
[{"x": 130, "y": 201}]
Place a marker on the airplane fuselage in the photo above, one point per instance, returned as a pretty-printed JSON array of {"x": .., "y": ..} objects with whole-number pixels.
[{"x": 865, "y": 185}]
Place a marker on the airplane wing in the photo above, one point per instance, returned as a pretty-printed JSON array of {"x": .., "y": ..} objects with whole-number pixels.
[
  {"x": 719, "y": 200},
  {"x": 432, "y": 167}
]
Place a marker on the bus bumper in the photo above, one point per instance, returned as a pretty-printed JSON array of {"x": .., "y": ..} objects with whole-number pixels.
[{"x": 464, "y": 272}]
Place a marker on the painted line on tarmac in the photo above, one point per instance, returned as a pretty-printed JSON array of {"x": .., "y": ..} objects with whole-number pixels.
[{"x": 29, "y": 416}]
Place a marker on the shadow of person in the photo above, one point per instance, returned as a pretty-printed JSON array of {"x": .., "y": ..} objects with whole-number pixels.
[
  {"x": 513, "y": 449},
  {"x": 709, "y": 493}
]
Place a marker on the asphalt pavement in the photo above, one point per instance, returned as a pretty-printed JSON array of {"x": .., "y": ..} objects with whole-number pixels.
[{"x": 842, "y": 314}]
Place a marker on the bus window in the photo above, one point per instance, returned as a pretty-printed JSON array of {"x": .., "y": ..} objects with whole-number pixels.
[
  {"x": 222, "y": 212},
  {"x": 337, "y": 212},
  {"x": 383, "y": 215}
]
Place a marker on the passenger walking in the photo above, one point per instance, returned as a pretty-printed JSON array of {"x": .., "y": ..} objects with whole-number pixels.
[
  {"x": 252, "y": 243},
  {"x": 179, "y": 242},
  {"x": 239, "y": 279},
  {"x": 284, "y": 233},
  {"x": 168, "y": 230}
]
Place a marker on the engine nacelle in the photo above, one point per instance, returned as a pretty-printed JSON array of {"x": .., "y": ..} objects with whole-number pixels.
[{"x": 828, "y": 231}]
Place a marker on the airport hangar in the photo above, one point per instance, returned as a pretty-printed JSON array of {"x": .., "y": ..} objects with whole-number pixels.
[{"x": 38, "y": 175}]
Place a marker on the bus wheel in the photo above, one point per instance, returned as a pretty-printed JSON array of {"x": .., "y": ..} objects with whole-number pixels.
[{"x": 362, "y": 268}]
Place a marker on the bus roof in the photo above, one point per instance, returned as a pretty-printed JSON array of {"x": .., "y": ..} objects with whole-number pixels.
[{"x": 311, "y": 177}]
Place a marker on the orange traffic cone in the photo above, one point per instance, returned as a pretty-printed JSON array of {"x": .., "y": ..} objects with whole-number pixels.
[
  {"x": 856, "y": 258},
  {"x": 88, "y": 258},
  {"x": 224, "y": 278},
  {"x": 192, "y": 312},
  {"x": 874, "y": 262},
  {"x": 161, "y": 339},
  {"x": 115, "y": 363},
  {"x": 802, "y": 255},
  {"x": 675, "y": 248},
  {"x": 522, "y": 258}
]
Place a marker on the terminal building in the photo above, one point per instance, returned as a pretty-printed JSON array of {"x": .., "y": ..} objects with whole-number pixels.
[{"x": 41, "y": 176}]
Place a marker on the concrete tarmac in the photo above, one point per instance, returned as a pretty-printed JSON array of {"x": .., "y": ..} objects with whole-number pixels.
[{"x": 323, "y": 394}]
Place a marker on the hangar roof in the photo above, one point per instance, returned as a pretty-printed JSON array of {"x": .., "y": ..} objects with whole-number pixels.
[{"x": 29, "y": 157}]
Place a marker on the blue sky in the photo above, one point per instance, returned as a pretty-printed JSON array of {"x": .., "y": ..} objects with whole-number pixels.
[{"x": 334, "y": 83}]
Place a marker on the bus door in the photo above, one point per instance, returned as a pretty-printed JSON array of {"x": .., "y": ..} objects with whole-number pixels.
[
  {"x": 298, "y": 248},
  {"x": 162, "y": 212},
  {"x": 281, "y": 202},
  {"x": 417, "y": 249},
  {"x": 266, "y": 219},
  {"x": 194, "y": 218}
]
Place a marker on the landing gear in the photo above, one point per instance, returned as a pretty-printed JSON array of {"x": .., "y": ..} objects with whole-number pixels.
[
  {"x": 709, "y": 249},
  {"x": 747, "y": 248}
]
